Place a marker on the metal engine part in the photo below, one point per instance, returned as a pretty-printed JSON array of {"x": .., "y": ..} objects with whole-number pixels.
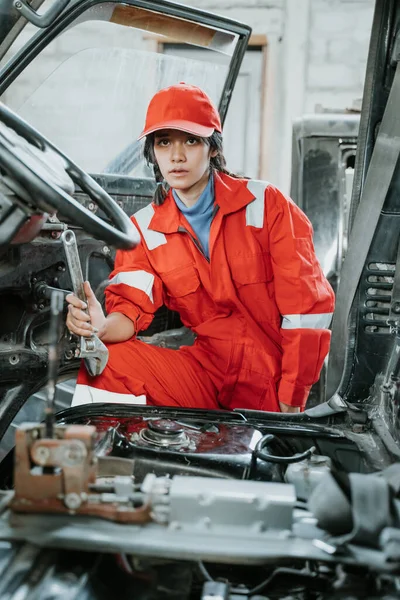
[
  {"x": 204, "y": 503},
  {"x": 182, "y": 446},
  {"x": 164, "y": 433},
  {"x": 307, "y": 474},
  {"x": 60, "y": 475}
]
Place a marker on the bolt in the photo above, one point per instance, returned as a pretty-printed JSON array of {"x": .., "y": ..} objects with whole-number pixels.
[
  {"x": 106, "y": 250},
  {"x": 14, "y": 359},
  {"x": 18, "y": 5},
  {"x": 61, "y": 268},
  {"x": 42, "y": 455},
  {"x": 41, "y": 306},
  {"x": 55, "y": 235},
  {"x": 396, "y": 308},
  {"x": 72, "y": 501},
  {"x": 72, "y": 455},
  {"x": 91, "y": 206},
  {"x": 34, "y": 279}
]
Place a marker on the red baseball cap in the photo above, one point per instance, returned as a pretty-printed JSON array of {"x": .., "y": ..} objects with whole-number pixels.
[{"x": 184, "y": 107}]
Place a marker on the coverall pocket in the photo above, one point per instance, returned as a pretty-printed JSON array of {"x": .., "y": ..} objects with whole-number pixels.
[
  {"x": 253, "y": 280},
  {"x": 181, "y": 282},
  {"x": 183, "y": 294},
  {"x": 255, "y": 268}
]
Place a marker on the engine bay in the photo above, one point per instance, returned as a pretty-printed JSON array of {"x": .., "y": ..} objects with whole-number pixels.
[{"x": 180, "y": 504}]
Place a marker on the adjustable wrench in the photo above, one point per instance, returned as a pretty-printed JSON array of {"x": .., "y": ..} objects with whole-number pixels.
[{"x": 91, "y": 349}]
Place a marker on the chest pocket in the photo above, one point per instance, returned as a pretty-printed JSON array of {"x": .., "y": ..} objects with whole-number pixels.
[
  {"x": 250, "y": 269},
  {"x": 183, "y": 294},
  {"x": 252, "y": 276},
  {"x": 181, "y": 282}
]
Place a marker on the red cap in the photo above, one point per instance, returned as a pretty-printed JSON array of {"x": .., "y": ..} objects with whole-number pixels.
[{"x": 184, "y": 107}]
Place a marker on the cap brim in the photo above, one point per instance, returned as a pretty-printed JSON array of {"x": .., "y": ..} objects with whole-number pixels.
[{"x": 186, "y": 126}]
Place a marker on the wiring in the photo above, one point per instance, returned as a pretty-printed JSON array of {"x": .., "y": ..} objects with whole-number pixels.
[{"x": 301, "y": 578}]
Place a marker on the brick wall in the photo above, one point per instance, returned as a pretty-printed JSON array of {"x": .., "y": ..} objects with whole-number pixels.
[{"x": 337, "y": 52}]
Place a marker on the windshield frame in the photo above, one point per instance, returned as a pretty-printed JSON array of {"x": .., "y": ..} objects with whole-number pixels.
[{"x": 40, "y": 40}]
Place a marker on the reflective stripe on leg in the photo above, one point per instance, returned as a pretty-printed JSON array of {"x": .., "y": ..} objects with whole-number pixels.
[{"x": 85, "y": 394}]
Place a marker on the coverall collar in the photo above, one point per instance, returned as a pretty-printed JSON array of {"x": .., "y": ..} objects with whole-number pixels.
[{"x": 230, "y": 195}]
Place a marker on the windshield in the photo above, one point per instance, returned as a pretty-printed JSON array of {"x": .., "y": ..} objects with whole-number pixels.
[{"x": 89, "y": 88}]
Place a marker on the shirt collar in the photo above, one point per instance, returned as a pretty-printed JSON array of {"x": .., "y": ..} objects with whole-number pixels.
[{"x": 203, "y": 204}]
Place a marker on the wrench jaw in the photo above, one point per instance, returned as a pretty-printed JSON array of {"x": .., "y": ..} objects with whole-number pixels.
[{"x": 94, "y": 354}]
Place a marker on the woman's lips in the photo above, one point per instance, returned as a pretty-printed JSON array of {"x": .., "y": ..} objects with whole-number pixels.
[{"x": 178, "y": 173}]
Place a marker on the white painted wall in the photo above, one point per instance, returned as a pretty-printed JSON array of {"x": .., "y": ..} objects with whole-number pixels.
[
  {"x": 316, "y": 55},
  {"x": 317, "y": 52}
]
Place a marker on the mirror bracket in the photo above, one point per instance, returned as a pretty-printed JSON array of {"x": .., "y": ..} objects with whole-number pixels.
[{"x": 44, "y": 20}]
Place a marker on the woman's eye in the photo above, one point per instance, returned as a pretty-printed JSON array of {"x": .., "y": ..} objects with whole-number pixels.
[
  {"x": 162, "y": 142},
  {"x": 192, "y": 141}
]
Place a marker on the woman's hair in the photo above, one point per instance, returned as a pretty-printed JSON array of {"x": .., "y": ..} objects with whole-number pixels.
[{"x": 217, "y": 162}]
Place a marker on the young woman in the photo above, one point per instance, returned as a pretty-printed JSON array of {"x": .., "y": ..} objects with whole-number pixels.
[{"x": 234, "y": 257}]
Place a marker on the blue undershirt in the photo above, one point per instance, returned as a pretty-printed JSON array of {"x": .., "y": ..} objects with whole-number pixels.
[{"x": 200, "y": 214}]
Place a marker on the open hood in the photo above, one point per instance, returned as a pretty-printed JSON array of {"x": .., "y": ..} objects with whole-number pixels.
[{"x": 48, "y": 62}]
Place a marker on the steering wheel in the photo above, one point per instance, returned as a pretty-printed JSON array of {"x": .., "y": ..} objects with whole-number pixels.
[{"x": 43, "y": 176}]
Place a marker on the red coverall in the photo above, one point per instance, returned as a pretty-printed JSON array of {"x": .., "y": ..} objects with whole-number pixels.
[{"x": 260, "y": 307}]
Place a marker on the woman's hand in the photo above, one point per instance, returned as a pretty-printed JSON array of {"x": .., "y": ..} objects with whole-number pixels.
[
  {"x": 81, "y": 323},
  {"x": 286, "y": 408}
]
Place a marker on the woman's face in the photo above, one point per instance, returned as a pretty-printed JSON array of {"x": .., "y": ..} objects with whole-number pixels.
[{"x": 183, "y": 158}]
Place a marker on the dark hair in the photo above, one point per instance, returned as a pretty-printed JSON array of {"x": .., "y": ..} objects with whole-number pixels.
[{"x": 217, "y": 162}]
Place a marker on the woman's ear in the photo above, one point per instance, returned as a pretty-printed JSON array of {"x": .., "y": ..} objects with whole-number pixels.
[{"x": 213, "y": 153}]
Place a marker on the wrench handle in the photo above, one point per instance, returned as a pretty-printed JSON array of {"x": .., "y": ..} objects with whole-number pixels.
[
  {"x": 74, "y": 264},
  {"x": 92, "y": 349}
]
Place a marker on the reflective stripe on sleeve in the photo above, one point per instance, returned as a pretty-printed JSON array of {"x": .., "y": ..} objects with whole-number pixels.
[
  {"x": 255, "y": 210},
  {"x": 153, "y": 239},
  {"x": 141, "y": 280},
  {"x": 320, "y": 321}
]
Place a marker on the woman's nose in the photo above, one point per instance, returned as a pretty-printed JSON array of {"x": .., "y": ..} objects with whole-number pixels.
[{"x": 177, "y": 153}]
